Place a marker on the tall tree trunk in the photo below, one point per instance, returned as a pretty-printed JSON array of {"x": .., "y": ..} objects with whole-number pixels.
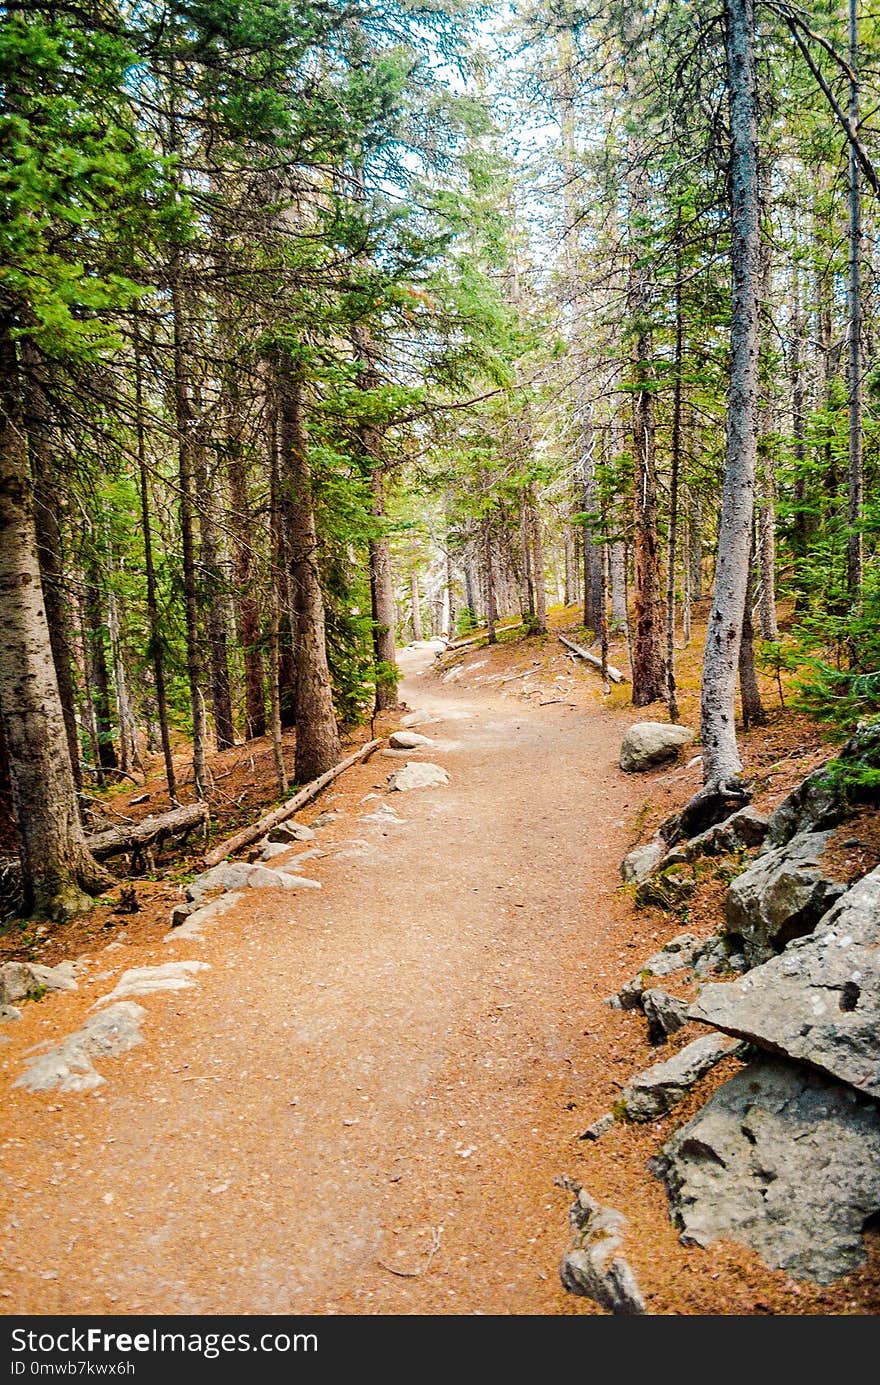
[
  {"x": 381, "y": 589},
  {"x": 46, "y": 507},
  {"x": 721, "y": 761},
  {"x": 854, "y": 545},
  {"x": 129, "y": 754},
  {"x": 592, "y": 553},
  {"x": 570, "y": 594},
  {"x": 617, "y": 555},
  {"x": 57, "y": 867},
  {"x": 277, "y": 578},
  {"x": 247, "y": 616},
  {"x": 491, "y": 613},
  {"x": 767, "y": 477},
  {"x": 675, "y": 469},
  {"x": 750, "y": 696},
  {"x": 89, "y": 719},
  {"x": 185, "y": 457},
  {"x": 415, "y": 603},
  {"x": 155, "y": 649},
  {"x": 648, "y": 669},
  {"x": 99, "y": 674},
  {"x": 213, "y": 601},
  {"x": 537, "y": 546},
  {"x": 317, "y": 738},
  {"x": 800, "y": 526},
  {"x": 470, "y": 588},
  {"x": 450, "y": 587}
]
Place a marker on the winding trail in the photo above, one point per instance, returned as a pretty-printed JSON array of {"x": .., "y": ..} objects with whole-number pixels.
[{"x": 361, "y": 1107}]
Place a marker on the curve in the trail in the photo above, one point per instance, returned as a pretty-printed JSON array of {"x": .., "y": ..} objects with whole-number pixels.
[{"x": 361, "y": 1106}]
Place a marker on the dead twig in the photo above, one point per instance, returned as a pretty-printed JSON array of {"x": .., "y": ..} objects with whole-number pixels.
[{"x": 436, "y": 1237}]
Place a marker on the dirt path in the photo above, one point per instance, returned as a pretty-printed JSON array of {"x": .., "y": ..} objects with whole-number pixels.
[{"x": 385, "y": 1075}]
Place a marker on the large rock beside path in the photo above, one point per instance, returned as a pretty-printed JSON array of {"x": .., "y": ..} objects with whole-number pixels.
[
  {"x": 651, "y": 743},
  {"x": 167, "y": 976},
  {"x": 289, "y": 832},
  {"x": 782, "y": 1160},
  {"x": 680, "y": 952},
  {"x": 68, "y": 1066},
  {"x": 408, "y": 740},
  {"x": 637, "y": 865},
  {"x": 665, "y": 1013},
  {"x": 780, "y": 896},
  {"x": 656, "y": 1090},
  {"x": 592, "y": 1266},
  {"x": 239, "y": 875},
  {"x": 745, "y": 828},
  {"x": 418, "y": 775},
  {"x": 818, "y": 1002},
  {"x": 30, "y": 980}
]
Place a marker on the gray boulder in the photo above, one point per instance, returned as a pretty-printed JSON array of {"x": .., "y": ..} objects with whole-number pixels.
[
  {"x": 719, "y": 954},
  {"x": 241, "y": 876},
  {"x": 418, "y": 775},
  {"x": 782, "y": 1160},
  {"x": 229, "y": 875},
  {"x": 599, "y": 1127},
  {"x": 592, "y": 1266},
  {"x": 665, "y": 1014},
  {"x": 68, "y": 1066},
  {"x": 651, "y": 743},
  {"x": 637, "y": 865},
  {"x": 743, "y": 829},
  {"x": 408, "y": 740},
  {"x": 656, "y": 1090},
  {"x": 290, "y": 832},
  {"x": 192, "y": 924},
  {"x": 819, "y": 1002},
  {"x": 780, "y": 896},
  {"x": 678, "y": 953},
  {"x": 167, "y": 976},
  {"x": 273, "y": 849},
  {"x": 30, "y": 980}
]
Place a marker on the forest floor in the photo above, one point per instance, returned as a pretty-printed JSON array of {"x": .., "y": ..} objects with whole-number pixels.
[{"x": 369, "y": 1101}]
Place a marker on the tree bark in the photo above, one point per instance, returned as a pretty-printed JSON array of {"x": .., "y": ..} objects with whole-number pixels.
[
  {"x": 381, "y": 586},
  {"x": 675, "y": 468},
  {"x": 317, "y": 739},
  {"x": 491, "y": 613},
  {"x": 57, "y": 868},
  {"x": 99, "y": 675},
  {"x": 129, "y": 754},
  {"x": 766, "y": 476},
  {"x": 185, "y": 457},
  {"x": 415, "y": 600},
  {"x": 46, "y": 507},
  {"x": 277, "y": 579},
  {"x": 753, "y": 713},
  {"x": 854, "y": 545},
  {"x": 537, "y": 547},
  {"x": 648, "y": 669},
  {"x": 721, "y": 760},
  {"x": 800, "y": 524},
  {"x": 155, "y": 650},
  {"x": 247, "y": 615},
  {"x": 212, "y": 602}
]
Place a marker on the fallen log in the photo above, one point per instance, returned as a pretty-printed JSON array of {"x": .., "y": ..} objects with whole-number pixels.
[
  {"x": 613, "y": 673},
  {"x": 258, "y": 829},
  {"x": 136, "y": 836}
]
